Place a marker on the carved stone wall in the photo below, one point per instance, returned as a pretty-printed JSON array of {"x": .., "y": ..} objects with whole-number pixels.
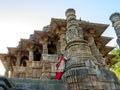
[{"x": 44, "y": 69}]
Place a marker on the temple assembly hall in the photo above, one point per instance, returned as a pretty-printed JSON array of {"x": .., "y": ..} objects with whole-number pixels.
[{"x": 31, "y": 65}]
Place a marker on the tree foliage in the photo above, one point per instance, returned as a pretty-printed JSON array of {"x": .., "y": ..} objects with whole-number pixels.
[{"x": 116, "y": 67}]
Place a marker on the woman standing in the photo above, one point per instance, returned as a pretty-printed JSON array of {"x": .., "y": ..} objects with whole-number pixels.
[{"x": 60, "y": 66}]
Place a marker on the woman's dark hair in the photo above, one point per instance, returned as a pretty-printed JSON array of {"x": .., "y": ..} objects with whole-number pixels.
[{"x": 61, "y": 55}]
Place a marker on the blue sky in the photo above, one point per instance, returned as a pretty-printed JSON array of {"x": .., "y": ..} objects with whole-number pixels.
[{"x": 19, "y": 18}]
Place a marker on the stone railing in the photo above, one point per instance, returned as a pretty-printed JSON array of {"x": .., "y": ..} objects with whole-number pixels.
[
  {"x": 19, "y": 72},
  {"x": 52, "y": 60},
  {"x": 36, "y": 64},
  {"x": 19, "y": 69},
  {"x": 33, "y": 69},
  {"x": 48, "y": 65},
  {"x": 45, "y": 68}
]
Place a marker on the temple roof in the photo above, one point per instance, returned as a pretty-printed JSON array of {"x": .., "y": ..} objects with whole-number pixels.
[
  {"x": 108, "y": 57},
  {"x": 61, "y": 23},
  {"x": 102, "y": 41}
]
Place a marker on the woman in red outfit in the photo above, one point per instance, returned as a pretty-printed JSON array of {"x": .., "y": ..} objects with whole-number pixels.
[{"x": 60, "y": 66}]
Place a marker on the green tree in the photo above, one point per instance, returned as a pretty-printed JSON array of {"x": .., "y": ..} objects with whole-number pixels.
[{"x": 116, "y": 67}]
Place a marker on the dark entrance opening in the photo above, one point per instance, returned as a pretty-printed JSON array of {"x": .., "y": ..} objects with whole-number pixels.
[
  {"x": 37, "y": 55},
  {"x": 52, "y": 49}
]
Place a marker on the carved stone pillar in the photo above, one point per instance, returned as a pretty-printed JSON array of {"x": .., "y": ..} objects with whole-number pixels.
[
  {"x": 18, "y": 59},
  {"x": 95, "y": 51},
  {"x": 74, "y": 32},
  {"x": 7, "y": 67},
  {"x": 115, "y": 19},
  {"x": 45, "y": 48},
  {"x": 80, "y": 72},
  {"x": 81, "y": 65},
  {"x": 31, "y": 55},
  {"x": 58, "y": 47},
  {"x": 62, "y": 43},
  {"x": 45, "y": 45}
]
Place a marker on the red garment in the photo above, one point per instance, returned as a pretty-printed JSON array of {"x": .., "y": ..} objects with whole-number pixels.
[
  {"x": 58, "y": 75},
  {"x": 60, "y": 59}
]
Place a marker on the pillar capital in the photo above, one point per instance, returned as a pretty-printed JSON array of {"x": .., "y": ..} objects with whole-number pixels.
[
  {"x": 115, "y": 17},
  {"x": 70, "y": 12},
  {"x": 43, "y": 41}
]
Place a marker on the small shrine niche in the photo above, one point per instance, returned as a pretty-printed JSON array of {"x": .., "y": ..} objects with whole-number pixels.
[
  {"x": 23, "y": 61},
  {"x": 37, "y": 55},
  {"x": 52, "y": 48}
]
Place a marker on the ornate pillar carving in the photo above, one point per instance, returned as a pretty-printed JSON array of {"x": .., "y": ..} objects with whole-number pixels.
[
  {"x": 81, "y": 62},
  {"x": 7, "y": 67},
  {"x": 74, "y": 32},
  {"x": 115, "y": 19}
]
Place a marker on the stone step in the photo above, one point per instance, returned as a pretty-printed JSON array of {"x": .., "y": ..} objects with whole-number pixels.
[
  {"x": 4, "y": 83},
  {"x": 37, "y": 84}
]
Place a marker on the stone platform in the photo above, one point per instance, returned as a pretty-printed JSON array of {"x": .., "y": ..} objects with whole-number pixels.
[{"x": 32, "y": 84}]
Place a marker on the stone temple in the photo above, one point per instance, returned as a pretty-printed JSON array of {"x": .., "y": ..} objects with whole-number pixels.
[{"x": 32, "y": 64}]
